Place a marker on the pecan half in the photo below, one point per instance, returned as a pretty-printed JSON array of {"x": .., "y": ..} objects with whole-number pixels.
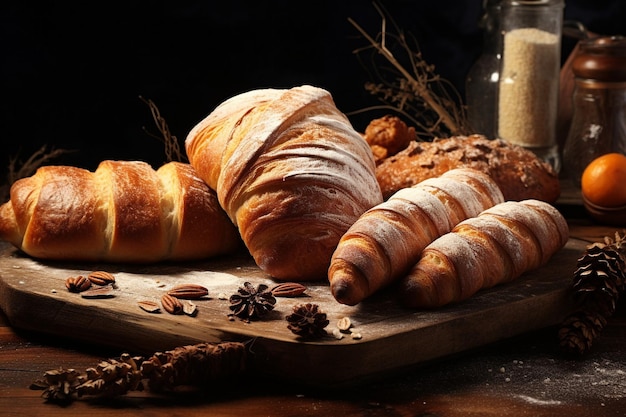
[
  {"x": 188, "y": 291},
  {"x": 101, "y": 278},
  {"x": 171, "y": 304},
  {"x": 77, "y": 284},
  {"x": 288, "y": 289}
]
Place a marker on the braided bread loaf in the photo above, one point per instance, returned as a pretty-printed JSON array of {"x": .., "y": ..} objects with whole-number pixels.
[
  {"x": 495, "y": 247},
  {"x": 123, "y": 212},
  {"x": 387, "y": 240}
]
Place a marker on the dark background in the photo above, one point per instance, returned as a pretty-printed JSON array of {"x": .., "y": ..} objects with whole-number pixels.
[{"x": 72, "y": 73}]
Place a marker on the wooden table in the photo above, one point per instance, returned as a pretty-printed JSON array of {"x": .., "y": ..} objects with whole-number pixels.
[{"x": 523, "y": 376}]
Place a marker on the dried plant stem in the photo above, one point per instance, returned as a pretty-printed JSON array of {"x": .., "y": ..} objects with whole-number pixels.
[
  {"x": 172, "y": 147},
  {"x": 418, "y": 87},
  {"x": 411, "y": 88},
  {"x": 17, "y": 170}
]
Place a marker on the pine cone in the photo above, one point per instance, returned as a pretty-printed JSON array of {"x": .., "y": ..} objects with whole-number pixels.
[
  {"x": 598, "y": 282},
  {"x": 59, "y": 385},
  {"x": 193, "y": 365},
  {"x": 113, "y": 377},
  {"x": 308, "y": 321},
  {"x": 252, "y": 302}
]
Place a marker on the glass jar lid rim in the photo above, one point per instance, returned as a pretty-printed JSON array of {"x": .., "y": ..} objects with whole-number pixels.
[{"x": 536, "y": 2}]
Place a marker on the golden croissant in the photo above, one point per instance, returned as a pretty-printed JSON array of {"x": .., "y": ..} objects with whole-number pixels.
[
  {"x": 497, "y": 246},
  {"x": 290, "y": 171},
  {"x": 388, "y": 239}
]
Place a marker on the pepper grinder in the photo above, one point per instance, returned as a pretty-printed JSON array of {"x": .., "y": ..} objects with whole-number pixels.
[
  {"x": 529, "y": 76},
  {"x": 598, "y": 123}
]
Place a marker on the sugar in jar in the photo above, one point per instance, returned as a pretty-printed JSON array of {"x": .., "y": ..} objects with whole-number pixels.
[{"x": 529, "y": 77}]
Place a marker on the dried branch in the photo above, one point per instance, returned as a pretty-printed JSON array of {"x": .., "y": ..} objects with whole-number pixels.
[
  {"x": 172, "y": 147},
  {"x": 429, "y": 101},
  {"x": 18, "y": 169}
]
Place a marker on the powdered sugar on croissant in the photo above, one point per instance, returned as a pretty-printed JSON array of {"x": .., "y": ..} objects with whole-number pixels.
[
  {"x": 495, "y": 247},
  {"x": 291, "y": 173},
  {"x": 387, "y": 240}
]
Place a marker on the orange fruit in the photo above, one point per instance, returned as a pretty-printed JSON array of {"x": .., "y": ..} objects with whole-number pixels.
[{"x": 604, "y": 180}]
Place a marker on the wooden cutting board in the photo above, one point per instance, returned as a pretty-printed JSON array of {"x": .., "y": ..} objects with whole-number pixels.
[{"x": 33, "y": 297}]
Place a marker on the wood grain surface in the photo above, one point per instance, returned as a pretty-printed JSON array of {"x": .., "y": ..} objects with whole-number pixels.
[{"x": 33, "y": 297}]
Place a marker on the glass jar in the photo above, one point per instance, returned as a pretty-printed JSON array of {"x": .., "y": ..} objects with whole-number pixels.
[
  {"x": 529, "y": 76},
  {"x": 599, "y": 104},
  {"x": 481, "y": 85}
]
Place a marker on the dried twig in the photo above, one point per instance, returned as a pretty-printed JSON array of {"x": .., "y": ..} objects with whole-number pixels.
[
  {"x": 18, "y": 169},
  {"x": 172, "y": 147},
  {"x": 429, "y": 101}
]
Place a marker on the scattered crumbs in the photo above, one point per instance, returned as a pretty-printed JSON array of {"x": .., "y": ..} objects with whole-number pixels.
[
  {"x": 222, "y": 296},
  {"x": 502, "y": 370},
  {"x": 537, "y": 401},
  {"x": 16, "y": 267},
  {"x": 337, "y": 334},
  {"x": 53, "y": 291},
  {"x": 507, "y": 379},
  {"x": 546, "y": 381},
  {"x": 22, "y": 282},
  {"x": 356, "y": 336}
]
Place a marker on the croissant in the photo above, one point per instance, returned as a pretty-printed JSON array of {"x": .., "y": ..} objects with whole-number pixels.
[
  {"x": 125, "y": 211},
  {"x": 290, "y": 171},
  {"x": 386, "y": 241},
  {"x": 497, "y": 246}
]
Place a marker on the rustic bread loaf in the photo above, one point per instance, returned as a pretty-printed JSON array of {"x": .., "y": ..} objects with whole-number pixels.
[{"x": 519, "y": 173}]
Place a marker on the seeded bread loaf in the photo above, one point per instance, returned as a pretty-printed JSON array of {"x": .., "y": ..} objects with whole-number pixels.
[{"x": 519, "y": 173}]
